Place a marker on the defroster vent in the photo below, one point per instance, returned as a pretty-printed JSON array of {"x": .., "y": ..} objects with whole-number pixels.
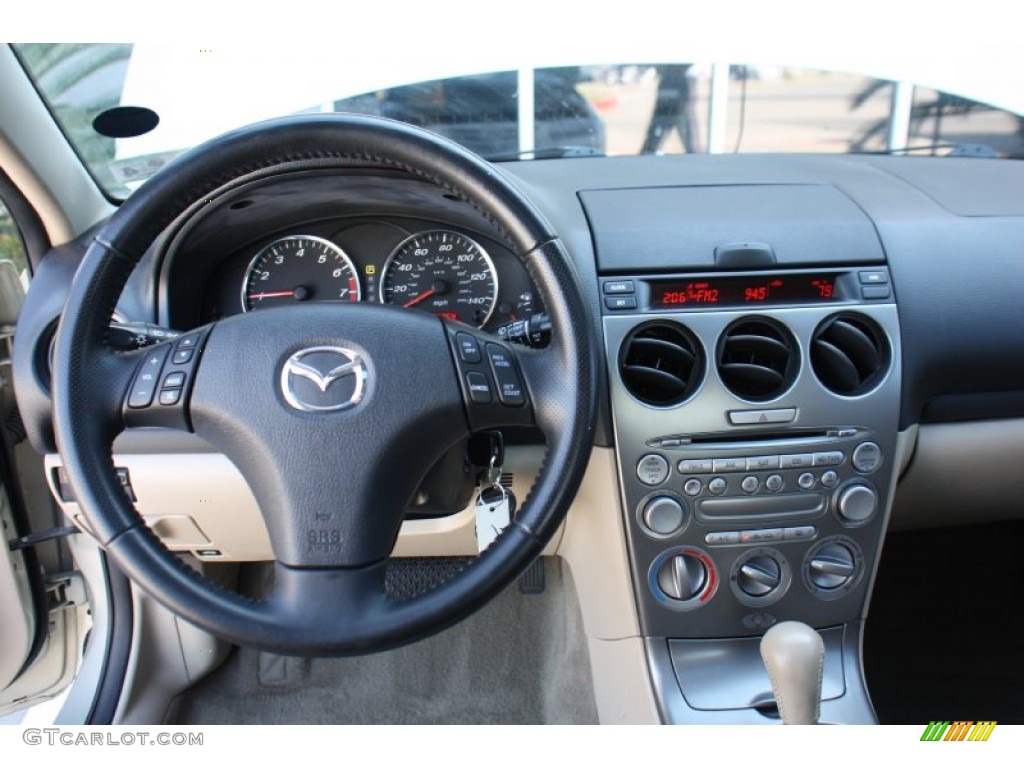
[{"x": 661, "y": 363}]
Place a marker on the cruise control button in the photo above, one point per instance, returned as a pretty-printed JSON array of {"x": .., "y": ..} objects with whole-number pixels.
[
  {"x": 717, "y": 486},
  {"x": 756, "y": 463},
  {"x": 189, "y": 341},
  {"x": 693, "y": 487},
  {"x": 169, "y": 396},
  {"x": 181, "y": 356},
  {"x": 829, "y": 458},
  {"x": 796, "y": 461},
  {"x": 867, "y": 457},
  {"x": 510, "y": 388},
  {"x": 830, "y": 479},
  {"x": 469, "y": 349},
  {"x": 799, "y": 533},
  {"x": 774, "y": 483},
  {"x": 806, "y": 481},
  {"x": 652, "y": 469},
  {"x": 729, "y": 465},
  {"x": 144, "y": 386},
  {"x": 750, "y": 484},
  {"x": 722, "y": 537},
  {"x": 479, "y": 387},
  {"x": 174, "y": 380},
  {"x": 695, "y": 466}
]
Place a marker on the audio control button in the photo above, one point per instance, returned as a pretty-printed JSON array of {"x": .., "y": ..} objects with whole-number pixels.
[
  {"x": 830, "y": 478},
  {"x": 806, "y": 481},
  {"x": 774, "y": 483},
  {"x": 750, "y": 484},
  {"x": 757, "y": 463},
  {"x": 796, "y": 461},
  {"x": 652, "y": 469},
  {"x": 867, "y": 457},
  {"x": 718, "y": 538},
  {"x": 717, "y": 486},
  {"x": 829, "y": 458},
  {"x": 695, "y": 466},
  {"x": 664, "y": 516},
  {"x": 729, "y": 465},
  {"x": 693, "y": 487},
  {"x": 799, "y": 533},
  {"x": 761, "y": 535}
]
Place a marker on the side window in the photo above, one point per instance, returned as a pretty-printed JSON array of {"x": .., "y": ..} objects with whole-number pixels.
[{"x": 12, "y": 249}]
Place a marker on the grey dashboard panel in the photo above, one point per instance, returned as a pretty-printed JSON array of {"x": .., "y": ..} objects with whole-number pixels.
[{"x": 673, "y": 228}]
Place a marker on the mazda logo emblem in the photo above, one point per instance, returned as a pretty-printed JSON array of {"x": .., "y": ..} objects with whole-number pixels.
[{"x": 323, "y": 379}]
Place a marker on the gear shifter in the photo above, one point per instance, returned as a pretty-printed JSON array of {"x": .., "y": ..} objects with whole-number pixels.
[{"x": 794, "y": 655}]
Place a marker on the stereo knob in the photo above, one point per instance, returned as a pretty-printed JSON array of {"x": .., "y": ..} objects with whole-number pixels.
[
  {"x": 857, "y": 503},
  {"x": 759, "y": 575},
  {"x": 683, "y": 577},
  {"x": 832, "y": 566},
  {"x": 663, "y": 515}
]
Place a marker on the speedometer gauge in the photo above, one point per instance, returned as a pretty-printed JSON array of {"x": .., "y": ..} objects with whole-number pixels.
[
  {"x": 444, "y": 273},
  {"x": 299, "y": 268}
]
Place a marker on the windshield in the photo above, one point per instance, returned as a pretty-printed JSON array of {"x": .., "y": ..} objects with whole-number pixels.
[{"x": 629, "y": 108}]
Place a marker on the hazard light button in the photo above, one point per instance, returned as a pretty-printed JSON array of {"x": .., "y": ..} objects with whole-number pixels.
[{"x": 773, "y": 416}]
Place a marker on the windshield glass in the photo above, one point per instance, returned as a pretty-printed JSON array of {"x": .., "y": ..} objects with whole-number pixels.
[{"x": 587, "y": 109}]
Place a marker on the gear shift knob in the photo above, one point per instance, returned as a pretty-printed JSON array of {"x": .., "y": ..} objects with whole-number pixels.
[{"x": 794, "y": 655}]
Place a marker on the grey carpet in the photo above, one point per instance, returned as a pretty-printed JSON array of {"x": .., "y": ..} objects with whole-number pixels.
[{"x": 520, "y": 660}]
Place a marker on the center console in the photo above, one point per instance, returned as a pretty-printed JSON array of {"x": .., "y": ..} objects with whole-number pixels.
[{"x": 755, "y": 417}]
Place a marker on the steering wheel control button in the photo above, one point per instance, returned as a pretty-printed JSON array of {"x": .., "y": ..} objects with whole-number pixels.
[
  {"x": 857, "y": 503},
  {"x": 830, "y": 478},
  {"x": 799, "y": 533},
  {"x": 693, "y": 487},
  {"x": 829, "y": 458},
  {"x": 189, "y": 341},
  {"x": 618, "y": 286},
  {"x": 717, "y": 486},
  {"x": 182, "y": 356},
  {"x": 144, "y": 386},
  {"x": 750, "y": 484},
  {"x": 620, "y": 302},
  {"x": 774, "y": 483},
  {"x": 469, "y": 348},
  {"x": 758, "y": 463},
  {"x": 664, "y": 516},
  {"x": 652, "y": 469},
  {"x": 510, "y": 387},
  {"x": 479, "y": 388},
  {"x": 774, "y": 416},
  {"x": 174, "y": 380},
  {"x": 729, "y": 465},
  {"x": 867, "y": 457},
  {"x": 722, "y": 538},
  {"x": 170, "y": 396},
  {"x": 806, "y": 481},
  {"x": 695, "y": 466},
  {"x": 796, "y": 461}
]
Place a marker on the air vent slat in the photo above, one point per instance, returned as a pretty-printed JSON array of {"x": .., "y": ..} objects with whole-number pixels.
[
  {"x": 661, "y": 363},
  {"x": 757, "y": 359},
  {"x": 849, "y": 354}
]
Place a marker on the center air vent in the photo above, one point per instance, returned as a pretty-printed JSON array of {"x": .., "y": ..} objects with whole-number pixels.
[
  {"x": 849, "y": 354},
  {"x": 757, "y": 359},
  {"x": 661, "y": 363}
]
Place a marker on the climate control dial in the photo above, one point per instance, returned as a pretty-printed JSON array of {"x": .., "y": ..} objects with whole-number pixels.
[{"x": 683, "y": 578}]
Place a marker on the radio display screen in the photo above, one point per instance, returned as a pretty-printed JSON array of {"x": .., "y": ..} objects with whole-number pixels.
[{"x": 743, "y": 291}]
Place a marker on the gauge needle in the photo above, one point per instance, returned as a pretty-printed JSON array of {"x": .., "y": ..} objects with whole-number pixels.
[
  {"x": 425, "y": 295},
  {"x": 271, "y": 294}
]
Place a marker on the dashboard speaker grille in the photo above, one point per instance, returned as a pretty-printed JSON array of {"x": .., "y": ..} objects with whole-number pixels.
[
  {"x": 849, "y": 354},
  {"x": 757, "y": 359},
  {"x": 661, "y": 363}
]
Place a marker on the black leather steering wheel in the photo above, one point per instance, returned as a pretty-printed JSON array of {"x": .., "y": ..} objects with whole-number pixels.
[{"x": 390, "y": 391}]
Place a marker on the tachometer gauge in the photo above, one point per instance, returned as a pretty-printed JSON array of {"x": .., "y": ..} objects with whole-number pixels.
[
  {"x": 299, "y": 268},
  {"x": 444, "y": 273}
]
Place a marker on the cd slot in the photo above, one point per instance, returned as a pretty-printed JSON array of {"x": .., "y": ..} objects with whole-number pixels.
[{"x": 769, "y": 441}]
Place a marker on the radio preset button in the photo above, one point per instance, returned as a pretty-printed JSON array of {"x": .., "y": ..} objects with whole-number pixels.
[
  {"x": 750, "y": 484},
  {"x": 695, "y": 466},
  {"x": 717, "y": 486},
  {"x": 867, "y": 457},
  {"x": 757, "y": 463},
  {"x": 693, "y": 487},
  {"x": 830, "y": 478},
  {"x": 796, "y": 461},
  {"x": 729, "y": 465},
  {"x": 829, "y": 459},
  {"x": 774, "y": 483},
  {"x": 806, "y": 481},
  {"x": 652, "y": 469}
]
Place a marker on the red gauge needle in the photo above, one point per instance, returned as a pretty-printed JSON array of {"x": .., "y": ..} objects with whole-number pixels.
[
  {"x": 425, "y": 295},
  {"x": 271, "y": 294}
]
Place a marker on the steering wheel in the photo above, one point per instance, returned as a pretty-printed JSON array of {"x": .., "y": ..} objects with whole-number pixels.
[{"x": 332, "y": 413}]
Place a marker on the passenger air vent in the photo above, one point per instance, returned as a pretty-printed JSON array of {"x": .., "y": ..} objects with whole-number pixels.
[
  {"x": 849, "y": 354},
  {"x": 757, "y": 359},
  {"x": 661, "y": 363}
]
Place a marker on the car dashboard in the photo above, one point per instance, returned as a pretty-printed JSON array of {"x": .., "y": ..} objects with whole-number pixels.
[{"x": 781, "y": 334}]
